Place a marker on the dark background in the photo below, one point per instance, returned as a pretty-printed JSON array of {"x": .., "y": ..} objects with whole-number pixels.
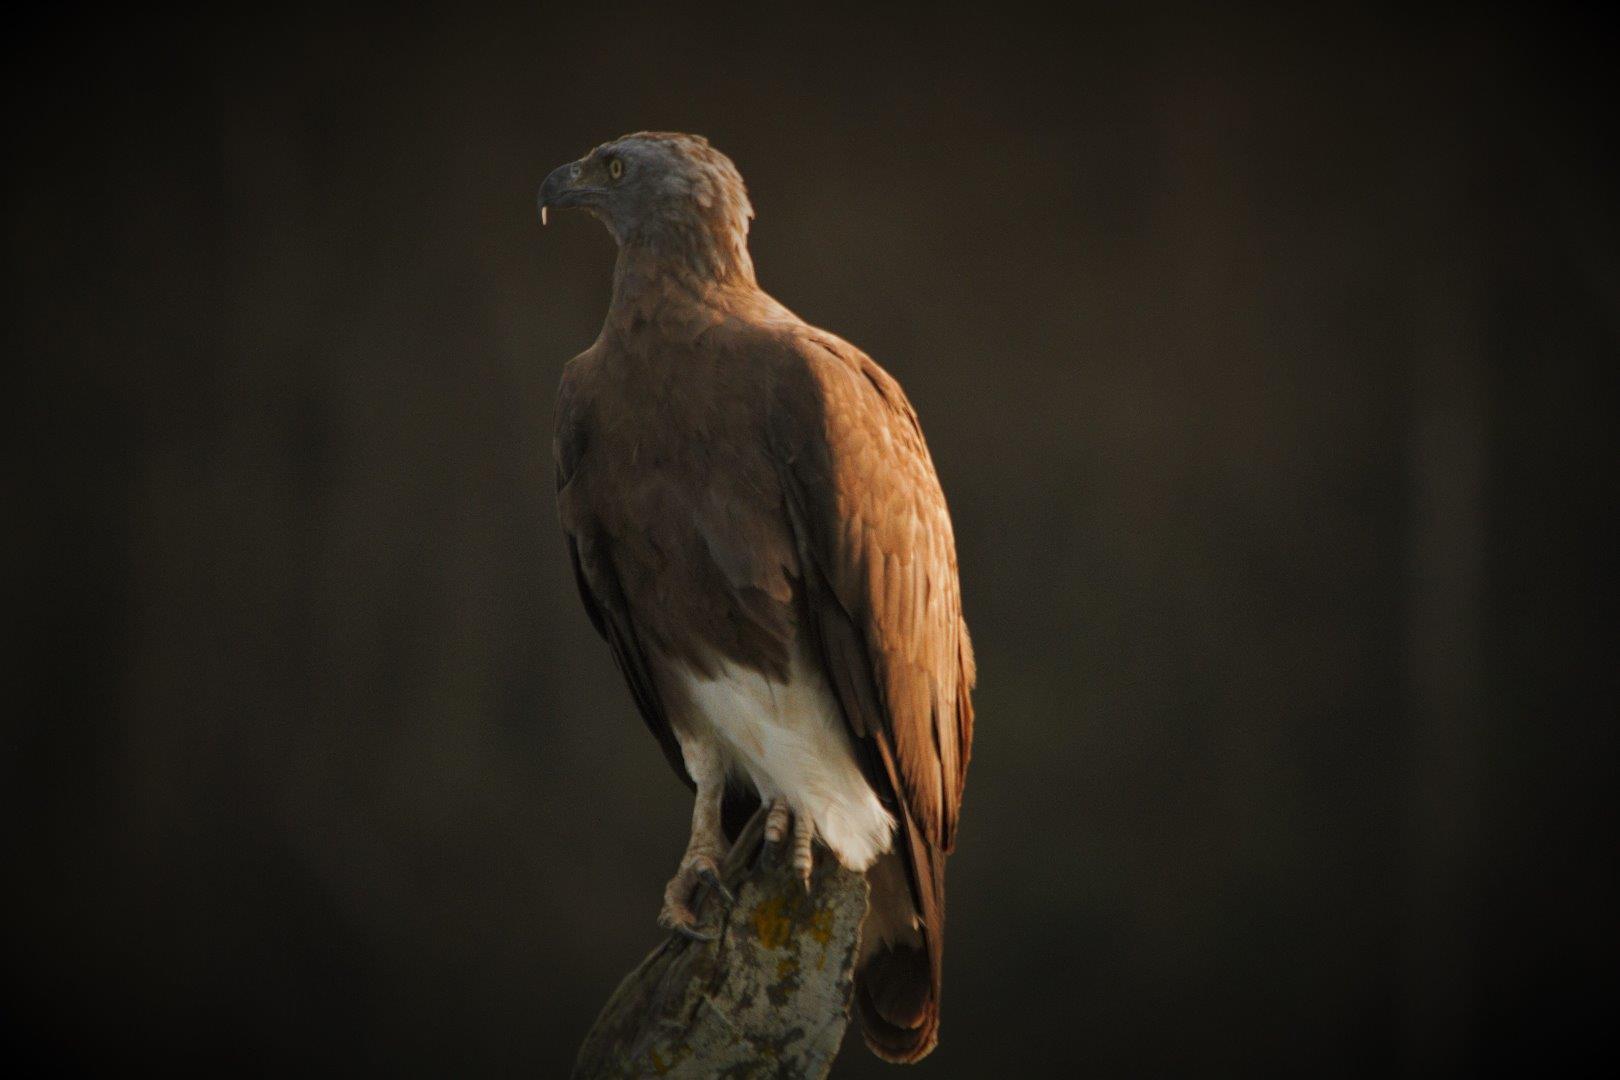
[{"x": 1264, "y": 362}]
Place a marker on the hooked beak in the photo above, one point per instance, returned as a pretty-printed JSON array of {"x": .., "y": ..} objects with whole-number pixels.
[{"x": 561, "y": 190}]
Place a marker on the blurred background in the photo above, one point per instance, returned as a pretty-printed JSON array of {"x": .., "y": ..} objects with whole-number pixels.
[{"x": 1264, "y": 362}]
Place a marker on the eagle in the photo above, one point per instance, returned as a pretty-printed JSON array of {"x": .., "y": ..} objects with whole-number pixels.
[{"x": 758, "y": 532}]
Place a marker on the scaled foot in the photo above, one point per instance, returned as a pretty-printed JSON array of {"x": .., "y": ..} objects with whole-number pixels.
[
  {"x": 699, "y": 873},
  {"x": 797, "y": 831}
]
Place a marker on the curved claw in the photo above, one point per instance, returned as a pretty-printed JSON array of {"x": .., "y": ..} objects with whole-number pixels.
[
  {"x": 711, "y": 879},
  {"x": 684, "y": 921},
  {"x": 699, "y": 872},
  {"x": 692, "y": 933}
]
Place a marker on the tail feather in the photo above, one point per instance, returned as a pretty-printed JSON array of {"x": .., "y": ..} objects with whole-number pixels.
[
  {"x": 898, "y": 1004},
  {"x": 897, "y": 981}
]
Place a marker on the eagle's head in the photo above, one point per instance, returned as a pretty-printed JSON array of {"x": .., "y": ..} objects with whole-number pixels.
[{"x": 668, "y": 193}]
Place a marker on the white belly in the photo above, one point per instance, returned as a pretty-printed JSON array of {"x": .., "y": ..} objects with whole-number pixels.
[{"x": 790, "y": 740}]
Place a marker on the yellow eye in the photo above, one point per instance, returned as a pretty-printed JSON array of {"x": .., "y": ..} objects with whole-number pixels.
[{"x": 615, "y": 168}]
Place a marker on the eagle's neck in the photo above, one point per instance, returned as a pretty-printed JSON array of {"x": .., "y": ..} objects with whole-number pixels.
[{"x": 664, "y": 273}]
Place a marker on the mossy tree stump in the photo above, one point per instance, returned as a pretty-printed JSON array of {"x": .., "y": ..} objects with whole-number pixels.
[{"x": 769, "y": 996}]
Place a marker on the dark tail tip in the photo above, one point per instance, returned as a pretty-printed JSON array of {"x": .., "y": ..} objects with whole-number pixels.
[{"x": 898, "y": 1004}]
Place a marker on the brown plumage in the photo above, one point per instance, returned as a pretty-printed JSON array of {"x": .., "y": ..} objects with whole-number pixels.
[{"x": 749, "y": 502}]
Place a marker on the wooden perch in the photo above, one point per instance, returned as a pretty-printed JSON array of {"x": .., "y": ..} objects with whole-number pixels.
[{"x": 768, "y": 997}]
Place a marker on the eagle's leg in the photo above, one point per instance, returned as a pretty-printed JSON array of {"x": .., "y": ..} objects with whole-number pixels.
[
  {"x": 780, "y": 820},
  {"x": 777, "y": 820},
  {"x": 700, "y": 866},
  {"x": 804, "y": 831}
]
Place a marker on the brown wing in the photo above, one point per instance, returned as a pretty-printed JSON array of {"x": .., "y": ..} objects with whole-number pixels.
[
  {"x": 880, "y": 570},
  {"x": 605, "y": 601}
]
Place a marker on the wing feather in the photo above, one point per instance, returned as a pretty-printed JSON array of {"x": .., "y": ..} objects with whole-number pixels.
[
  {"x": 884, "y": 596},
  {"x": 600, "y": 589}
]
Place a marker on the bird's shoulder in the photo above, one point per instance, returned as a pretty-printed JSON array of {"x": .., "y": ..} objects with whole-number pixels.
[
  {"x": 808, "y": 385},
  {"x": 830, "y": 390}
]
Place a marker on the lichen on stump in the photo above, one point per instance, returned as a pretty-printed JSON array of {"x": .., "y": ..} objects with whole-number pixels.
[{"x": 768, "y": 997}]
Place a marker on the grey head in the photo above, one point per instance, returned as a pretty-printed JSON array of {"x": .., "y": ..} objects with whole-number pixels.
[{"x": 669, "y": 193}]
